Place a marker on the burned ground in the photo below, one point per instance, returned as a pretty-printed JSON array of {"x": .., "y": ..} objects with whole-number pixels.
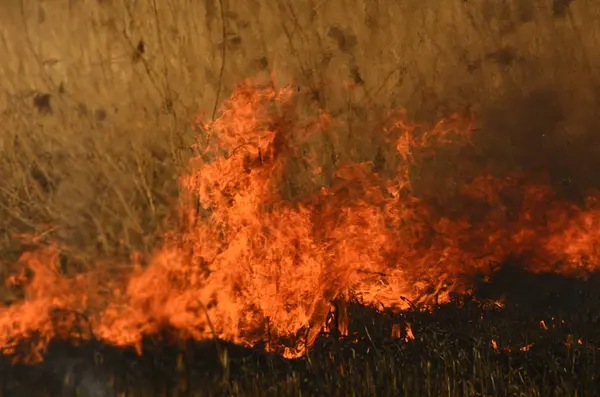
[{"x": 544, "y": 341}]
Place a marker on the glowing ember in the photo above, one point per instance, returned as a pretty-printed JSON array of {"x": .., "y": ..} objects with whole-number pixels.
[{"x": 258, "y": 263}]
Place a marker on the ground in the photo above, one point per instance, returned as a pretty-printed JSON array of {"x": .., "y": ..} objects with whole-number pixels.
[{"x": 544, "y": 342}]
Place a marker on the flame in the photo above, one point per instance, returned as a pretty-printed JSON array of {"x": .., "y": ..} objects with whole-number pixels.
[
  {"x": 260, "y": 263},
  {"x": 526, "y": 348},
  {"x": 409, "y": 333}
]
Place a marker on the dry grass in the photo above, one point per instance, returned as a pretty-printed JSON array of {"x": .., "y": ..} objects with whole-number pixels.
[{"x": 97, "y": 96}]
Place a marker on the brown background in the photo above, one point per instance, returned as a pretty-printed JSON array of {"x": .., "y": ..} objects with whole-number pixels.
[{"x": 97, "y": 96}]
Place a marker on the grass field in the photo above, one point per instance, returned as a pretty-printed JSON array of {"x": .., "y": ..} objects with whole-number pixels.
[
  {"x": 98, "y": 100},
  {"x": 124, "y": 81}
]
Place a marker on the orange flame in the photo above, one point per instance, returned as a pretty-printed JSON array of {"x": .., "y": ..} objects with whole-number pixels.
[
  {"x": 260, "y": 263},
  {"x": 409, "y": 333}
]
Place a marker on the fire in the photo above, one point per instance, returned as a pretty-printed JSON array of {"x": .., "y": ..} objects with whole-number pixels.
[
  {"x": 409, "y": 333},
  {"x": 262, "y": 259}
]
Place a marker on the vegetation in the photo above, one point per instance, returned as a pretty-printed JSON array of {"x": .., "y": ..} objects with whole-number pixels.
[{"x": 97, "y": 99}]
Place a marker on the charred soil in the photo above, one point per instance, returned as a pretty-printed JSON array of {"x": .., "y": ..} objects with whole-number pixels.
[{"x": 543, "y": 340}]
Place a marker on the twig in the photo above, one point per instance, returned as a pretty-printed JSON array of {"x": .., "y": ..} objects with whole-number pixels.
[
  {"x": 370, "y": 339},
  {"x": 412, "y": 305},
  {"x": 216, "y": 336},
  {"x": 168, "y": 92},
  {"x": 223, "y": 53},
  {"x": 228, "y": 156},
  {"x": 218, "y": 93}
]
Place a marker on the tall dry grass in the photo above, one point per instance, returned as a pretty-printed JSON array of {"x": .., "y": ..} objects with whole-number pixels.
[{"x": 97, "y": 96}]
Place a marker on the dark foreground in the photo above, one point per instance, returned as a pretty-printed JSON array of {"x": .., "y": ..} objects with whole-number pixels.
[{"x": 545, "y": 342}]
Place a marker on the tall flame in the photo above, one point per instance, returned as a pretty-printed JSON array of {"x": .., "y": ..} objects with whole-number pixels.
[{"x": 258, "y": 263}]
